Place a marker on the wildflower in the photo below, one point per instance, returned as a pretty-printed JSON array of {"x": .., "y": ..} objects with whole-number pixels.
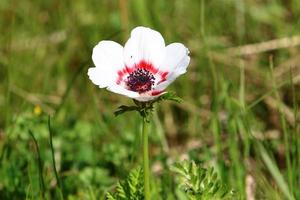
[
  {"x": 37, "y": 110},
  {"x": 142, "y": 69}
]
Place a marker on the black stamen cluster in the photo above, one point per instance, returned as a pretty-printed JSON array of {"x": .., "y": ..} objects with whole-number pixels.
[{"x": 140, "y": 80}]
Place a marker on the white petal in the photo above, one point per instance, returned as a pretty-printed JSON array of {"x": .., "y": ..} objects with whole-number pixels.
[
  {"x": 144, "y": 44},
  {"x": 121, "y": 90},
  {"x": 148, "y": 96},
  {"x": 98, "y": 77},
  {"x": 145, "y": 98},
  {"x": 175, "y": 63},
  {"x": 108, "y": 58},
  {"x": 134, "y": 95}
]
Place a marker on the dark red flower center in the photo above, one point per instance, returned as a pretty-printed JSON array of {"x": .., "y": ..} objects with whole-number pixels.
[{"x": 140, "y": 80}]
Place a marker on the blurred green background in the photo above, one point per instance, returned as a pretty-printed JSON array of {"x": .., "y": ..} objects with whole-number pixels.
[{"x": 241, "y": 96}]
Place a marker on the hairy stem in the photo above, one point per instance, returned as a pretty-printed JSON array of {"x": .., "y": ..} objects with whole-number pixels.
[{"x": 146, "y": 159}]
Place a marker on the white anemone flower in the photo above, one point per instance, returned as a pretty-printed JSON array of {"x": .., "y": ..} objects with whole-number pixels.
[{"x": 142, "y": 69}]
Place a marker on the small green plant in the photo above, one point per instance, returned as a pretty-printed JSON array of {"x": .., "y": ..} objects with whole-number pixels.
[
  {"x": 196, "y": 182},
  {"x": 200, "y": 183},
  {"x": 130, "y": 189}
]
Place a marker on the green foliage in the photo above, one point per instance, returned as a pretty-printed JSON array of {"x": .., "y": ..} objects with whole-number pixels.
[
  {"x": 200, "y": 183},
  {"x": 144, "y": 108},
  {"x": 170, "y": 96},
  {"x": 130, "y": 189}
]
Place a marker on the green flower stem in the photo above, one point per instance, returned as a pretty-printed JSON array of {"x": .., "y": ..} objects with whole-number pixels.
[{"x": 146, "y": 159}]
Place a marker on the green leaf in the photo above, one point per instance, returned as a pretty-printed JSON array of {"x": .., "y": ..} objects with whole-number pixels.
[
  {"x": 171, "y": 96},
  {"x": 132, "y": 188},
  {"x": 122, "y": 109},
  {"x": 275, "y": 173},
  {"x": 200, "y": 183},
  {"x": 109, "y": 196},
  {"x": 146, "y": 108}
]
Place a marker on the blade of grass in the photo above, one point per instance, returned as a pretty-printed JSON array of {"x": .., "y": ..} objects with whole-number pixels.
[
  {"x": 270, "y": 164},
  {"x": 40, "y": 165},
  {"x": 240, "y": 27},
  {"x": 202, "y": 18},
  {"x": 160, "y": 132},
  {"x": 284, "y": 126},
  {"x": 295, "y": 136},
  {"x": 275, "y": 172},
  {"x": 53, "y": 159},
  {"x": 215, "y": 123},
  {"x": 8, "y": 65},
  {"x": 140, "y": 8},
  {"x": 236, "y": 154}
]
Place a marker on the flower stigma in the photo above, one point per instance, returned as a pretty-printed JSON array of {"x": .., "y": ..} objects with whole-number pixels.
[{"x": 140, "y": 80}]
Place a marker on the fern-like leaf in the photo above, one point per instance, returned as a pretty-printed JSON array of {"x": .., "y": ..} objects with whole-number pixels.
[
  {"x": 130, "y": 189},
  {"x": 200, "y": 183},
  {"x": 110, "y": 196}
]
